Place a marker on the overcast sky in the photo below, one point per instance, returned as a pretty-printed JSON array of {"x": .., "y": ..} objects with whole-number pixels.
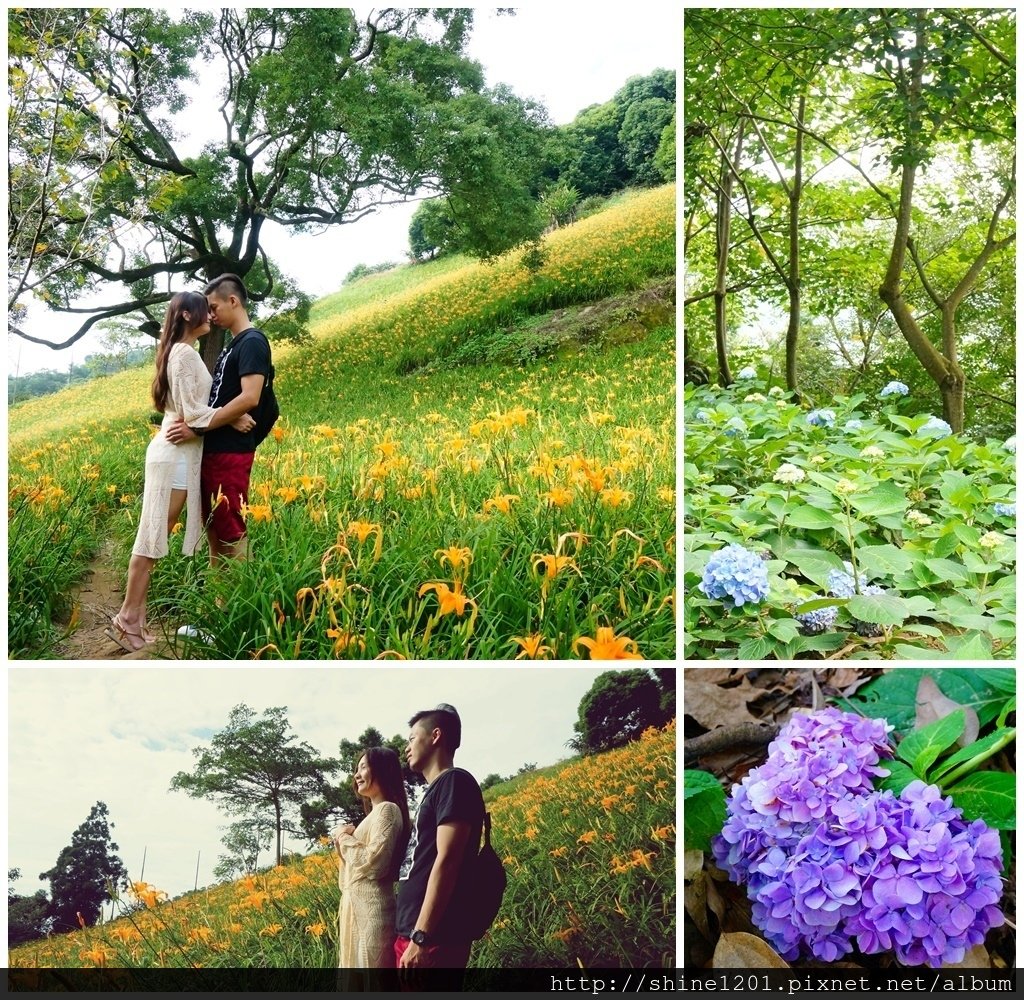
[
  {"x": 550, "y": 52},
  {"x": 119, "y": 735}
]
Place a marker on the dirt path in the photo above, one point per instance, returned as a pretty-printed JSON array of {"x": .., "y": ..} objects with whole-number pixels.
[{"x": 97, "y": 599}]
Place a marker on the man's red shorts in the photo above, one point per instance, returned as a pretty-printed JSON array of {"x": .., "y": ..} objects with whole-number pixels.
[
  {"x": 225, "y": 475},
  {"x": 439, "y": 956}
]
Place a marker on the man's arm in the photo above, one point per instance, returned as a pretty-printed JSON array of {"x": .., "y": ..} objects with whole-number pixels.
[
  {"x": 451, "y": 847},
  {"x": 252, "y": 387}
]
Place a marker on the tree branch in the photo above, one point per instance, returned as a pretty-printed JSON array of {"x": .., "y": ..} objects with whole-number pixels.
[{"x": 106, "y": 313}]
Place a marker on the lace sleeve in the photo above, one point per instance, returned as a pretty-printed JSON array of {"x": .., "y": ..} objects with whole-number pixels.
[
  {"x": 373, "y": 859},
  {"x": 190, "y": 387}
]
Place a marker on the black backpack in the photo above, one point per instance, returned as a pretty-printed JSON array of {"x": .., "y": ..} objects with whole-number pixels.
[
  {"x": 267, "y": 409},
  {"x": 488, "y": 882}
]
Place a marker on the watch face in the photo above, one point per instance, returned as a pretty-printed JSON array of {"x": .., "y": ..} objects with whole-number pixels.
[{"x": 418, "y": 937}]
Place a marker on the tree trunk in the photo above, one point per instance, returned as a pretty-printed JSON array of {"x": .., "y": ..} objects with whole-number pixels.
[
  {"x": 277, "y": 826},
  {"x": 723, "y": 225},
  {"x": 794, "y": 281}
]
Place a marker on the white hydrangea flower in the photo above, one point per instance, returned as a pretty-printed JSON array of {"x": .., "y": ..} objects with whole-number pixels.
[
  {"x": 871, "y": 451},
  {"x": 919, "y": 518},
  {"x": 844, "y": 486},
  {"x": 991, "y": 540},
  {"x": 789, "y": 474}
]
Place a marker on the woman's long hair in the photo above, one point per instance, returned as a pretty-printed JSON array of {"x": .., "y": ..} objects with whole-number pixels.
[
  {"x": 174, "y": 331},
  {"x": 386, "y": 770}
]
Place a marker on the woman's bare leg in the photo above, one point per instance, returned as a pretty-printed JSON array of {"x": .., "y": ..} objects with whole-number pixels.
[
  {"x": 175, "y": 509},
  {"x": 132, "y": 616}
]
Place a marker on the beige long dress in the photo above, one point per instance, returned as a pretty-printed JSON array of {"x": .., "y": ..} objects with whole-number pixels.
[
  {"x": 189, "y": 397},
  {"x": 366, "y": 916}
]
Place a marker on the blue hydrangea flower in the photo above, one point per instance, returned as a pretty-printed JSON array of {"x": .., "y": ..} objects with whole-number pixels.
[
  {"x": 735, "y": 428},
  {"x": 853, "y": 425},
  {"x": 748, "y": 372},
  {"x": 1005, "y": 509},
  {"x": 702, "y": 417},
  {"x": 822, "y": 418},
  {"x": 841, "y": 584},
  {"x": 819, "y": 620},
  {"x": 735, "y": 574},
  {"x": 935, "y": 427},
  {"x": 894, "y": 389},
  {"x": 1010, "y": 444}
]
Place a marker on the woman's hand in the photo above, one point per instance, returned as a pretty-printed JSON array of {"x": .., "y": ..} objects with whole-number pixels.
[
  {"x": 349, "y": 829},
  {"x": 243, "y": 423}
]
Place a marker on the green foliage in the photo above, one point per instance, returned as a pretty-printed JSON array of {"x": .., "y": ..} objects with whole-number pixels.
[
  {"x": 892, "y": 696},
  {"x": 88, "y": 871},
  {"x": 619, "y": 706},
  {"x": 926, "y": 755},
  {"x": 432, "y": 229},
  {"x": 359, "y": 111},
  {"x": 915, "y": 514},
  {"x": 254, "y": 766},
  {"x": 703, "y": 809},
  {"x": 559, "y": 203}
]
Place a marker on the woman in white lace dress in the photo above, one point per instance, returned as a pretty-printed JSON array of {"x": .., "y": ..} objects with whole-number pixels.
[
  {"x": 181, "y": 387},
  {"x": 370, "y": 856}
]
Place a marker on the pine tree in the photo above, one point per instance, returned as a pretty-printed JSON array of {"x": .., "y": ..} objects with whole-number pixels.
[{"x": 85, "y": 872}]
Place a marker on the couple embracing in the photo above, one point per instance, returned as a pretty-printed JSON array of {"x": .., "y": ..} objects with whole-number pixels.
[
  {"x": 423, "y": 926},
  {"x": 202, "y": 455}
]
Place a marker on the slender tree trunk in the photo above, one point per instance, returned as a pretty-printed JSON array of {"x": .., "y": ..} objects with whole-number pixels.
[
  {"x": 723, "y": 225},
  {"x": 277, "y": 825},
  {"x": 794, "y": 281},
  {"x": 947, "y": 376}
]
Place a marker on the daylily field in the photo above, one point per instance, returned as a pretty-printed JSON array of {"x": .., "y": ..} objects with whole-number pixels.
[
  {"x": 861, "y": 529},
  {"x": 444, "y": 482},
  {"x": 588, "y": 847}
]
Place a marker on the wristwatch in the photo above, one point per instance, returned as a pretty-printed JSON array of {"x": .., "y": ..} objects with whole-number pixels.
[{"x": 420, "y": 938}]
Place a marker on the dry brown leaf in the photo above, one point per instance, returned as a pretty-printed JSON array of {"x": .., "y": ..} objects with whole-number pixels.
[
  {"x": 713, "y": 675},
  {"x": 693, "y": 863},
  {"x": 715, "y": 902},
  {"x": 713, "y": 706},
  {"x": 745, "y": 951},
  {"x": 843, "y": 677},
  {"x": 976, "y": 958},
  {"x": 695, "y": 900},
  {"x": 931, "y": 705}
]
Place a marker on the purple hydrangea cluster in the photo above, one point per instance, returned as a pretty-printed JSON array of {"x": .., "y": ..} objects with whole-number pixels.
[
  {"x": 736, "y": 574},
  {"x": 830, "y": 863}
]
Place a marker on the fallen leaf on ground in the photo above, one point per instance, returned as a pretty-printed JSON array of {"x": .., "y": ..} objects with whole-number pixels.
[
  {"x": 745, "y": 951},
  {"x": 931, "y": 705},
  {"x": 976, "y": 958},
  {"x": 713, "y": 706}
]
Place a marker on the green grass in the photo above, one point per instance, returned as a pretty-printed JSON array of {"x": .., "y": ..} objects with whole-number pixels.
[{"x": 390, "y": 452}]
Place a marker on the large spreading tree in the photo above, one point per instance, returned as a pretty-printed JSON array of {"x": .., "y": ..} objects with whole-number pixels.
[
  {"x": 256, "y": 767},
  {"x": 316, "y": 117},
  {"x": 87, "y": 873}
]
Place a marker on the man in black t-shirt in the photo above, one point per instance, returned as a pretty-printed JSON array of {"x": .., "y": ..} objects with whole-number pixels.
[
  {"x": 435, "y": 880},
  {"x": 241, "y": 371}
]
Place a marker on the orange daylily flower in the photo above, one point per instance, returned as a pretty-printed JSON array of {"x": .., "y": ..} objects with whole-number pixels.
[
  {"x": 450, "y": 600},
  {"x": 454, "y": 556},
  {"x": 608, "y": 646},
  {"x": 531, "y": 646}
]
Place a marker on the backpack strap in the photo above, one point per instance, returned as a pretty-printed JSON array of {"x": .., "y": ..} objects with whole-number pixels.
[{"x": 487, "y": 829}]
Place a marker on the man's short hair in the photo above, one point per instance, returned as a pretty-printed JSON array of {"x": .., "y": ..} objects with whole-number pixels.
[
  {"x": 228, "y": 284},
  {"x": 445, "y": 718}
]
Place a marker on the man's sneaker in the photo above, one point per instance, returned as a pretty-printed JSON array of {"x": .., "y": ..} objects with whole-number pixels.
[{"x": 195, "y": 634}]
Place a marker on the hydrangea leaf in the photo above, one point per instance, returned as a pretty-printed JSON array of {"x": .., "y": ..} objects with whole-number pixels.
[
  {"x": 879, "y": 609},
  {"x": 884, "y": 560},
  {"x": 784, "y": 629},
  {"x": 885, "y": 498},
  {"x": 756, "y": 648},
  {"x": 948, "y": 570},
  {"x": 704, "y": 811},
  {"x": 899, "y": 777},
  {"x": 815, "y": 564},
  {"x": 894, "y": 694},
  {"x": 923, "y": 746},
  {"x": 812, "y": 518},
  {"x": 978, "y": 749},
  {"x": 988, "y": 795}
]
